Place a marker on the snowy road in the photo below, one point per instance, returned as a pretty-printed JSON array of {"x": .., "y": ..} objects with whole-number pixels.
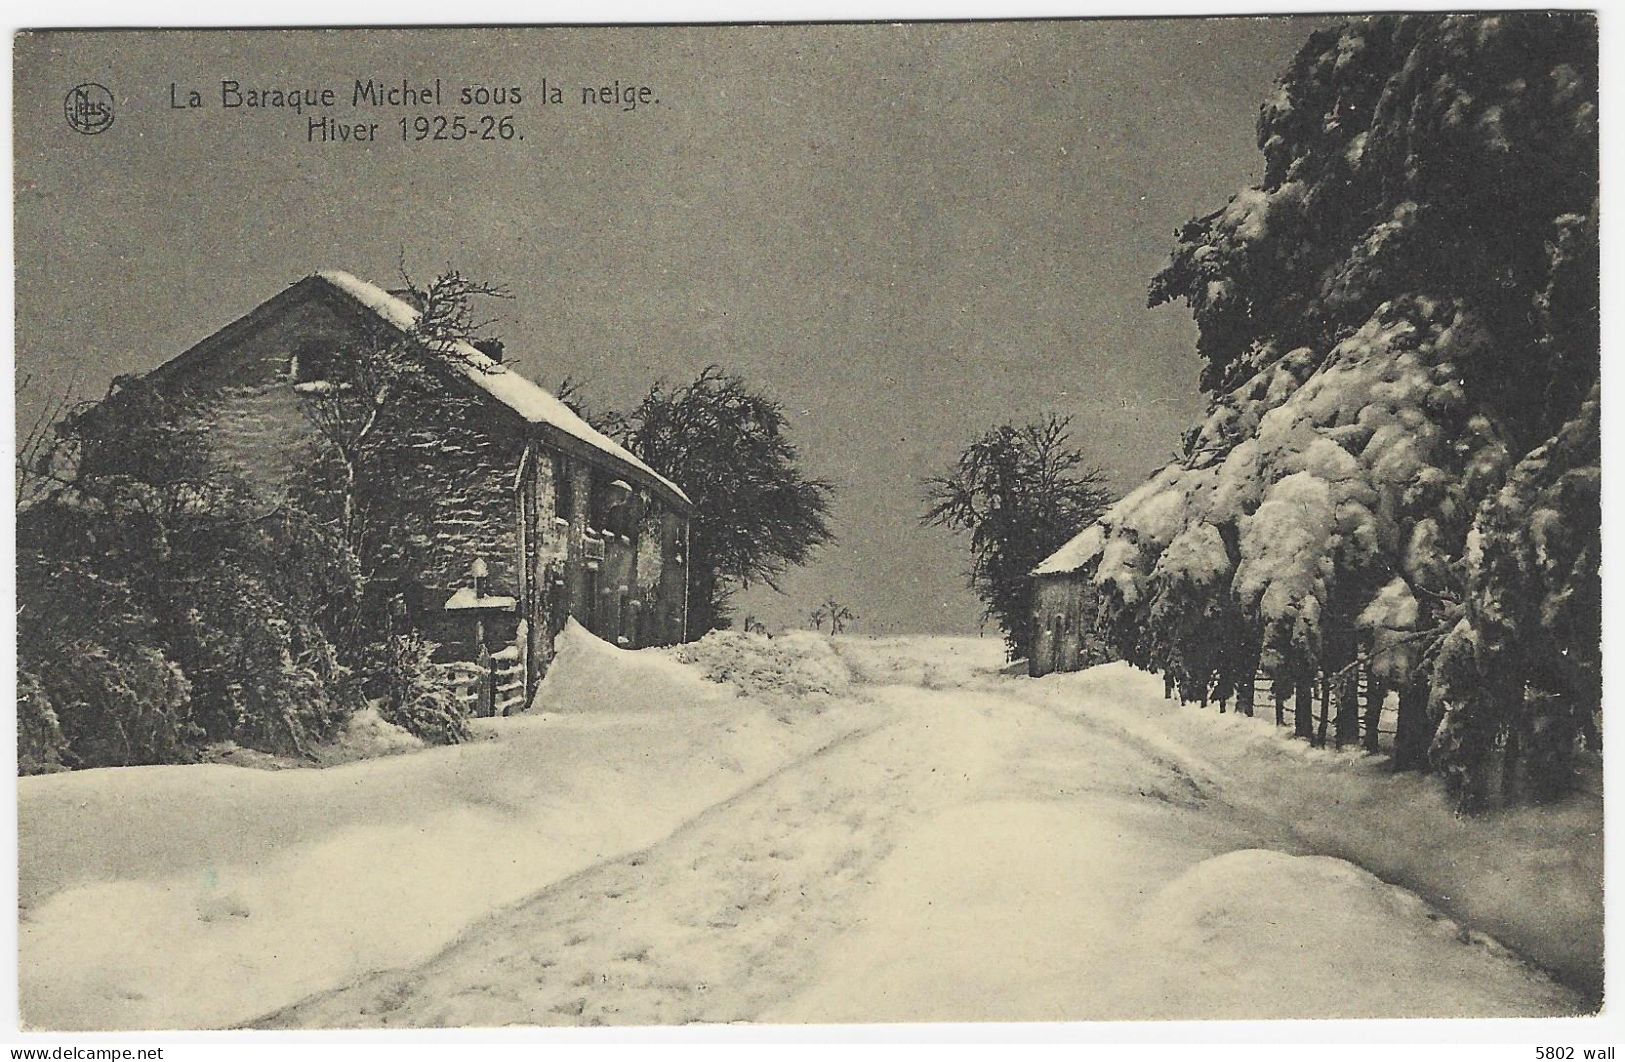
[{"x": 983, "y": 849}]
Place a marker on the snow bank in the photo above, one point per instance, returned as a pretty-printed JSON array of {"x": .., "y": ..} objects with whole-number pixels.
[
  {"x": 1282, "y": 936},
  {"x": 1096, "y": 908},
  {"x": 208, "y": 895},
  {"x": 589, "y": 674},
  {"x": 797, "y": 665},
  {"x": 1529, "y": 877}
]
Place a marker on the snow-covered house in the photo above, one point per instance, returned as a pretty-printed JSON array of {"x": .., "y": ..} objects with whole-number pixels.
[
  {"x": 1063, "y": 600},
  {"x": 563, "y": 520}
]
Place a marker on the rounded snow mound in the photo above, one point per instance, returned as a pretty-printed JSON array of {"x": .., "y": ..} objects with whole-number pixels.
[
  {"x": 587, "y": 674},
  {"x": 797, "y": 665},
  {"x": 1263, "y": 934}
]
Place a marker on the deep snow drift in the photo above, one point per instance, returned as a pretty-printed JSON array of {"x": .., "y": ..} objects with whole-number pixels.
[
  {"x": 207, "y": 895},
  {"x": 1530, "y": 877},
  {"x": 915, "y": 837}
]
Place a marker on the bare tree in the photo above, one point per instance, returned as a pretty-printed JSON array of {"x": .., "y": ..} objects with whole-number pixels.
[
  {"x": 448, "y": 308},
  {"x": 45, "y": 458},
  {"x": 347, "y": 409},
  {"x": 833, "y": 612}
]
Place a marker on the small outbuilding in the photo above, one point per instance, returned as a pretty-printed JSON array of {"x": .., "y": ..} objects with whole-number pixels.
[{"x": 1063, "y": 600}]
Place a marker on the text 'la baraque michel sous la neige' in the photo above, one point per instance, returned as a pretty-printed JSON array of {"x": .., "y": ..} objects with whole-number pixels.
[{"x": 435, "y": 95}]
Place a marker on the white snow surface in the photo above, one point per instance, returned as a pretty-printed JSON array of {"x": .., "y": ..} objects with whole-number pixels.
[
  {"x": 205, "y": 895},
  {"x": 590, "y": 675},
  {"x": 1079, "y": 550},
  {"x": 933, "y": 840},
  {"x": 520, "y": 394},
  {"x": 466, "y": 598}
]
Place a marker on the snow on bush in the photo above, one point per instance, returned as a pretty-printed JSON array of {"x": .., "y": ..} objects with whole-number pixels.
[
  {"x": 933, "y": 662},
  {"x": 368, "y": 734},
  {"x": 796, "y": 665},
  {"x": 417, "y": 694},
  {"x": 1392, "y": 381}
]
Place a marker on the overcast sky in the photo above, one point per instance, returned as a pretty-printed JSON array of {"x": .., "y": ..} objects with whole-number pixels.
[{"x": 905, "y": 233}]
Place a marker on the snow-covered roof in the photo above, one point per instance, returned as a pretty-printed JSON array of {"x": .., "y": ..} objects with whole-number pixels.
[
  {"x": 525, "y": 397},
  {"x": 465, "y": 598},
  {"x": 1078, "y": 551}
]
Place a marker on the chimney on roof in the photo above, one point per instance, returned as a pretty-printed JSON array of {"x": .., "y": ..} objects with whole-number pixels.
[{"x": 491, "y": 348}]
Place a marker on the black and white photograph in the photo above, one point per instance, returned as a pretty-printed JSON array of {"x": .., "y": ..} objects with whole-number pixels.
[{"x": 809, "y": 524}]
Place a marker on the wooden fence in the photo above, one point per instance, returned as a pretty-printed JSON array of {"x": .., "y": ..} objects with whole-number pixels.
[
  {"x": 1264, "y": 704},
  {"x": 495, "y": 683},
  {"x": 469, "y": 680},
  {"x": 507, "y": 680}
]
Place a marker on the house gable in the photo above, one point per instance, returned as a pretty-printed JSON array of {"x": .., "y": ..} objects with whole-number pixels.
[{"x": 460, "y": 455}]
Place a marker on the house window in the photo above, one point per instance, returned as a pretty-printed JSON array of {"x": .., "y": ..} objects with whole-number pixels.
[{"x": 612, "y": 507}]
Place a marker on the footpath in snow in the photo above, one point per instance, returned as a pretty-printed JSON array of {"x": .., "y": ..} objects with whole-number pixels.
[
  {"x": 980, "y": 854},
  {"x": 206, "y": 895},
  {"x": 772, "y": 832}
]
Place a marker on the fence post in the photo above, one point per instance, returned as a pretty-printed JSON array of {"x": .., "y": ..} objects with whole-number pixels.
[
  {"x": 1375, "y": 694},
  {"x": 1325, "y": 709},
  {"x": 522, "y": 640},
  {"x": 486, "y": 699}
]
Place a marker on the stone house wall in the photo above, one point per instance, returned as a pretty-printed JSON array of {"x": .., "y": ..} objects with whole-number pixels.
[{"x": 465, "y": 477}]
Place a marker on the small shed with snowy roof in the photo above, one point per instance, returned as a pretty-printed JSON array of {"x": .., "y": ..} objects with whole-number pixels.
[
  {"x": 1063, "y": 599},
  {"x": 565, "y": 521}
]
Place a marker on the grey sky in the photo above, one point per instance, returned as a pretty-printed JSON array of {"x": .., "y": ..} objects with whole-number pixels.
[{"x": 906, "y": 233}]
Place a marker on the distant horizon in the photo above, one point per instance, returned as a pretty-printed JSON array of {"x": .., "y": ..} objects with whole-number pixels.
[{"x": 901, "y": 267}]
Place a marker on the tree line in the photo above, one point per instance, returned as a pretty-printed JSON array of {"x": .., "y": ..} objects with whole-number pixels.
[{"x": 1397, "y": 481}]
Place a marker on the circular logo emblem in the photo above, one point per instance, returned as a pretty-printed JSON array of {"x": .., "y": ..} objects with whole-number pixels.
[{"x": 89, "y": 108}]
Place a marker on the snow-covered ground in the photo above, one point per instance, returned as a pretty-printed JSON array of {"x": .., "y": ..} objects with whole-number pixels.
[
  {"x": 176, "y": 897},
  {"x": 1530, "y": 877},
  {"x": 802, "y": 831}
]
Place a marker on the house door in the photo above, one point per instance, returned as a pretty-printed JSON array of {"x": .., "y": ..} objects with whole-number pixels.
[{"x": 1056, "y": 650}]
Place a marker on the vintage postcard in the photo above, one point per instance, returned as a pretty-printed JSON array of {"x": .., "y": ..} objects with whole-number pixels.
[{"x": 1065, "y": 520}]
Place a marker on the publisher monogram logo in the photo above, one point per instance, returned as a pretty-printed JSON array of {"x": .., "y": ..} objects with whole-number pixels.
[{"x": 89, "y": 108}]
